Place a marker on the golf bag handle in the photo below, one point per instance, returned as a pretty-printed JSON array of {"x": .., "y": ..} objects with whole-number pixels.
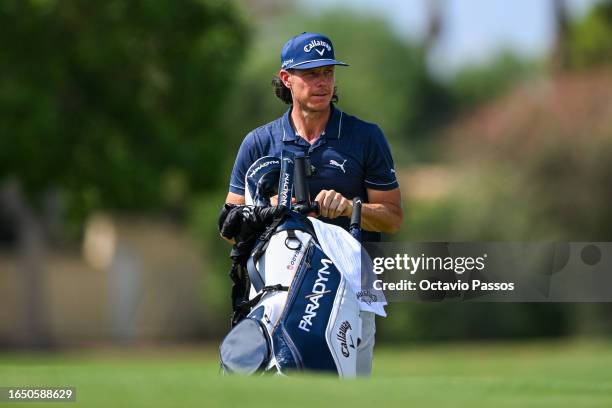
[
  {"x": 301, "y": 171},
  {"x": 355, "y": 226}
]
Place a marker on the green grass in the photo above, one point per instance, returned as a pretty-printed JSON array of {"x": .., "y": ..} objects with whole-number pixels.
[{"x": 490, "y": 375}]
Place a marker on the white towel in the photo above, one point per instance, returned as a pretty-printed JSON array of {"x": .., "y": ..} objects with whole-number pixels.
[{"x": 346, "y": 254}]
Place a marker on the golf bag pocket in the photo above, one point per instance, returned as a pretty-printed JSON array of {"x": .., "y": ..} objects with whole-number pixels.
[
  {"x": 320, "y": 326},
  {"x": 246, "y": 348},
  {"x": 280, "y": 261}
]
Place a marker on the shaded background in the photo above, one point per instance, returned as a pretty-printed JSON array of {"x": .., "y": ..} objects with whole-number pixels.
[{"x": 120, "y": 121}]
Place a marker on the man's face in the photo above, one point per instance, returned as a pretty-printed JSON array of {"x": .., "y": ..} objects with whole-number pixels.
[{"x": 312, "y": 89}]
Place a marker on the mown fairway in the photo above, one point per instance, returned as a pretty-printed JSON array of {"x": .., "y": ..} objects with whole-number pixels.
[{"x": 492, "y": 375}]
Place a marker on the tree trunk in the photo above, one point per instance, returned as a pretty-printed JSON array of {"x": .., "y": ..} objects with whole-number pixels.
[
  {"x": 435, "y": 24},
  {"x": 560, "y": 54},
  {"x": 31, "y": 255}
]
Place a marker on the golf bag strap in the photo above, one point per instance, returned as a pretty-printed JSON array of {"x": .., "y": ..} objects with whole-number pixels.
[
  {"x": 254, "y": 276},
  {"x": 258, "y": 250},
  {"x": 305, "y": 226}
]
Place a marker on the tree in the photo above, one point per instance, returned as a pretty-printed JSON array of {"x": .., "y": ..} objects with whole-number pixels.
[
  {"x": 102, "y": 103},
  {"x": 589, "y": 44}
]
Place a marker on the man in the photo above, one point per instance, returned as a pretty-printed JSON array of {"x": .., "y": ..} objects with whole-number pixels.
[{"x": 351, "y": 157}]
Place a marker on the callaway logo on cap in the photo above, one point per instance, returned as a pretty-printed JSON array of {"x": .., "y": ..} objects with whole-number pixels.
[{"x": 308, "y": 50}]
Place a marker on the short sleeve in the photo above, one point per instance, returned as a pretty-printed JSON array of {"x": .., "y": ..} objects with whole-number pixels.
[
  {"x": 247, "y": 154},
  {"x": 380, "y": 171}
]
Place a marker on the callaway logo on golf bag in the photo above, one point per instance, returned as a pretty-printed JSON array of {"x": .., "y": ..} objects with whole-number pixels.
[{"x": 344, "y": 330}]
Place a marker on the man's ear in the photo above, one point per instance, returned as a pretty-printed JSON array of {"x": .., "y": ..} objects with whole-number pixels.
[{"x": 285, "y": 76}]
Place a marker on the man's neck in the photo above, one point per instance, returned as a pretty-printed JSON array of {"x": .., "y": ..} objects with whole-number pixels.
[{"x": 308, "y": 124}]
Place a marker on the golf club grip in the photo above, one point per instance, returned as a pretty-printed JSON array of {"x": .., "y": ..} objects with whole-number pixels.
[
  {"x": 356, "y": 216},
  {"x": 300, "y": 184}
]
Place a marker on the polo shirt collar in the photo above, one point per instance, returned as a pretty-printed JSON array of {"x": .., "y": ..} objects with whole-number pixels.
[{"x": 333, "y": 129}]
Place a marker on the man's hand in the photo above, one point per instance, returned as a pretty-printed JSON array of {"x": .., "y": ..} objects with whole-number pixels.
[
  {"x": 383, "y": 212},
  {"x": 333, "y": 204}
]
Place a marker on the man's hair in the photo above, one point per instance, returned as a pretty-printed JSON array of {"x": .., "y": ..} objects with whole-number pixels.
[{"x": 284, "y": 94}]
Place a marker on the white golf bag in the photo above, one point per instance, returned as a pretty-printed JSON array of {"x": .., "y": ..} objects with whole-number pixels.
[{"x": 304, "y": 313}]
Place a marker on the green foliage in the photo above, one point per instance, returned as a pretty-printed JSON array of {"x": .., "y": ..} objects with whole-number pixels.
[
  {"x": 558, "y": 191},
  {"x": 463, "y": 321},
  {"x": 115, "y": 103},
  {"x": 533, "y": 166},
  {"x": 568, "y": 185},
  {"x": 590, "y": 43},
  {"x": 474, "y": 85}
]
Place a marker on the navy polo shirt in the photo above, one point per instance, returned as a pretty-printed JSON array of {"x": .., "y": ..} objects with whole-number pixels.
[{"x": 350, "y": 156}]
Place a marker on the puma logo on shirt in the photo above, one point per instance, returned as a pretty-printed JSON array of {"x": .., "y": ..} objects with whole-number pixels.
[{"x": 336, "y": 164}]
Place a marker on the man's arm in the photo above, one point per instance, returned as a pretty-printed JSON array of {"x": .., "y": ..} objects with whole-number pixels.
[
  {"x": 383, "y": 212},
  {"x": 233, "y": 198}
]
